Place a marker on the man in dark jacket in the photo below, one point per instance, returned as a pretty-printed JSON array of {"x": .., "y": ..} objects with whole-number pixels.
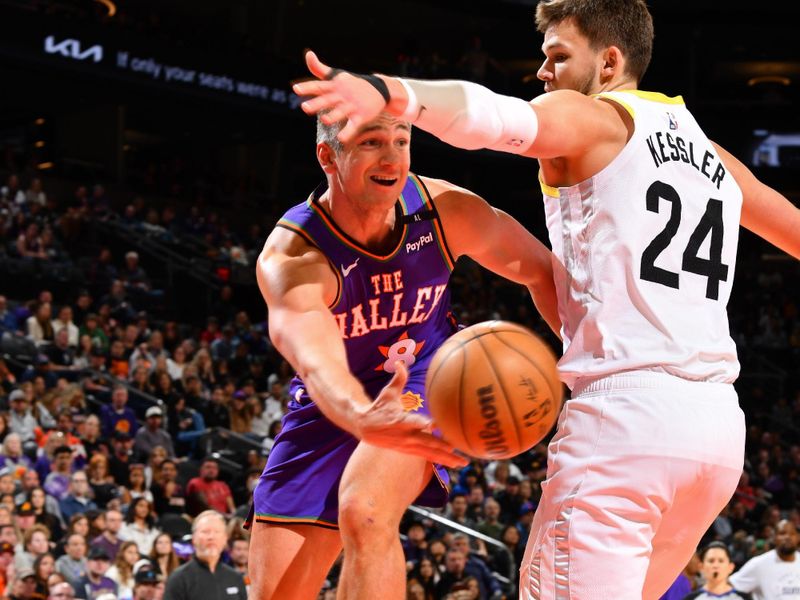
[{"x": 205, "y": 576}]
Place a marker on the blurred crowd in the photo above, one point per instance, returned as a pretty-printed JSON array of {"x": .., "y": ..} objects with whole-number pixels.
[{"x": 117, "y": 416}]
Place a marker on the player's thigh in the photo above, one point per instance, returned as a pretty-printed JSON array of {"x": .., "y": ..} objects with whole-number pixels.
[
  {"x": 290, "y": 562},
  {"x": 380, "y": 482},
  {"x": 683, "y": 525}
]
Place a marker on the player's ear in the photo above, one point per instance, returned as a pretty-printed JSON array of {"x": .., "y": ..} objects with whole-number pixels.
[
  {"x": 326, "y": 156},
  {"x": 613, "y": 63}
]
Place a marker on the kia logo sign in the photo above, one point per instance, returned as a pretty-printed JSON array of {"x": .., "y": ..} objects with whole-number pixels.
[{"x": 70, "y": 48}]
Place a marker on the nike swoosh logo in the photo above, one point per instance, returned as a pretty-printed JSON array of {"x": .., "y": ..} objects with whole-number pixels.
[{"x": 346, "y": 270}]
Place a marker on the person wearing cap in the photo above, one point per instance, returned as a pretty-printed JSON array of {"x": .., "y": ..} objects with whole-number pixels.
[
  {"x": 94, "y": 583},
  {"x": 146, "y": 583},
  {"x": 118, "y": 417},
  {"x": 24, "y": 516},
  {"x": 6, "y": 559},
  {"x": 205, "y": 576},
  {"x": 152, "y": 434},
  {"x": 79, "y": 499},
  {"x": 24, "y": 586}
]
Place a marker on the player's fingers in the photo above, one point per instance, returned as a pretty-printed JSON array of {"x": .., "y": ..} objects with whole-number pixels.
[
  {"x": 440, "y": 453},
  {"x": 400, "y": 377},
  {"x": 350, "y": 130},
  {"x": 311, "y": 87},
  {"x": 316, "y": 66},
  {"x": 320, "y": 103},
  {"x": 336, "y": 114}
]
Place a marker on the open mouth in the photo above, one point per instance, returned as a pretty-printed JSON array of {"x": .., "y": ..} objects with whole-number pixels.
[{"x": 384, "y": 181}]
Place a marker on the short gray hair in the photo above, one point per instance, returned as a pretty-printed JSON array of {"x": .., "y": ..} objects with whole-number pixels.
[
  {"x": 206, "y": 514},
  {"x": 326, "y": 134}
]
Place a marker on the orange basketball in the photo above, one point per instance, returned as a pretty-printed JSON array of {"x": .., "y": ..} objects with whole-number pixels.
[{"x": 493, "y": 390}]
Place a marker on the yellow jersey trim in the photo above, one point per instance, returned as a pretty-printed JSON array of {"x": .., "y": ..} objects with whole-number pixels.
[
  {"x": 548, "y": 190},
  {"x": 655, "y": 96}
]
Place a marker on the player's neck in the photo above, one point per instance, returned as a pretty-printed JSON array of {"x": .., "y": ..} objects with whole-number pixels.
[
  {"x": 617, "y": 85},
  {"x": 374, "y": 227},
  {"x": 719, "y": 588}
]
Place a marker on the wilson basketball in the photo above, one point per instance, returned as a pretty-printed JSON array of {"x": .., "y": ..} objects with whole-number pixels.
[{"x": 493, "y": 390}]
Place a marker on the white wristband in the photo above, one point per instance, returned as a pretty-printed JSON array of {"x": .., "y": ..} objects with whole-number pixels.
[{"x": 411, "y": 112}]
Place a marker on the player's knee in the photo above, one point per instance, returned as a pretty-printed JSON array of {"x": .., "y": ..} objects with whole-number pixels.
[{"x": 362, "y": 522}]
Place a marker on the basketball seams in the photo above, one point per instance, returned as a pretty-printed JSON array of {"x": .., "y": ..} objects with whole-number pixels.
[
  {"x": 554, "y": 394},
  {"x": 496, "y": 372}
]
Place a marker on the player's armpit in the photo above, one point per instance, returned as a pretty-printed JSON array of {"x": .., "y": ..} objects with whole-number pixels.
[
  {"x": 765, "y": 212},
  {"x": 498, "y": 242}
]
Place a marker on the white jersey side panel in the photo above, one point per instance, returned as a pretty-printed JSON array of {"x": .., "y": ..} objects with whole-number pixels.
[{"x": 647, "y": 250}]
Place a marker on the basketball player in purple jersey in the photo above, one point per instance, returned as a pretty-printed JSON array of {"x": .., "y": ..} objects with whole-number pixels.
[
  {"x": 643, "y": 212},
  {"x": 356, "y": 281}
]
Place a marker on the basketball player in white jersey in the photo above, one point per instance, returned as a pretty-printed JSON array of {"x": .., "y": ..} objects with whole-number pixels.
[{"x": 643, "y": 210}]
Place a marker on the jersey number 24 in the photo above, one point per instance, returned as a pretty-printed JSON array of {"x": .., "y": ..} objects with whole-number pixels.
[{"x": 710, "y": 224}]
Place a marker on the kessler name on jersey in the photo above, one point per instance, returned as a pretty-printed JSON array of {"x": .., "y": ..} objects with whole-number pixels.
[
  {"x": 384, "y": 309},
  {"x": 665, "y": 147}
]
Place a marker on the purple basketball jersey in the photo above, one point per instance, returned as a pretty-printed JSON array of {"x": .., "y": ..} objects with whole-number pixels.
[{"x": 389, "y": 308}]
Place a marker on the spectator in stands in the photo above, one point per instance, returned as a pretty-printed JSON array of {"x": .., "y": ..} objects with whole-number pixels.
[
  {"x": 457, "y": 510},
  {"x": 43, "y": 567},
  {"x": 766, "y": 575},
  {"x": 120, "y": 304},
  {"x": 11, "y": 457},
  {"x": 64, "y": 321},
  {"x": 91, "y": 440},
  {"x": 241, "y": 413},
  {"x": 165, "y": 389},
  {"x": 41, "y": 367},
  {"x": 61, "y": 591},
  {"x": 240, "y": 548},
  {"x": 186, "y": 426},
  {"x": 415, "y": 546},
  {"x": 6, "y": 563},
  {"x": 204, "y": 369},
  {"x": 510, "y": 500},
  {"x": 12, "y": 192},
  {"x": 78, "y": 500},
  {"x": 139, "y": 525},
  {"x": 121, "y": 571},
  {"x": 120, "y": 461},
  {"x": 168, "y": 494},
  {"x": 60, "y": 353},
  {"x": 455, "y": 575},
  {"x": 140, "y": 380},
  {"x": 224, "y": 307},
  {"x": 137, "y": 487},
  {"x": 205, "y": 576},
  {"x": 91, "y": 327},
  {"x": 152, "y": 435},
  {"x": 163, "y": 556},
  {"x": 94, "y": 582},
  {"x": 29, "y": 243},
  {"x": 152, "y": 470},
  {"x": 38, "y": 326},
  {"x": 118, "y": 417},
  {"x": 176, "y": 363},
  {"x": 490, "y": 523},
  {"x": 109, "y": 540},
  {"x": 207, "y": 492},
  {"x": 476, "y": 566},
  {"x": 426, "y": 575},
  {"x": 148, "y": 584},
  {"x": 224, "y": 346},
  {"x": 24, "y": 586},
  {"x": 57, "y": 482},
  {"x": 49, "y": 516},
  {"x": 35, "y": 543},
  {"x": 73, "y": 564},
  {"x": 8, "y": 320},
  {"x": 218, "y": 413}
]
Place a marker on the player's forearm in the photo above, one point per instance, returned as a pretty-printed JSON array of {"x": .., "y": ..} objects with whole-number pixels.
[
  {"x": 318, "y": 356},
  {"x": 464, "y": 114}
]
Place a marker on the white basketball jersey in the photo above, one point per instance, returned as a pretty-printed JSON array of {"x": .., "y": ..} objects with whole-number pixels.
[{"x": 647, "y": 250}]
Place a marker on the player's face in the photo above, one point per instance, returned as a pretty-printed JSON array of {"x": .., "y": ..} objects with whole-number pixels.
[
  {"x": 716, "y": 566},
  {"x": 372, "y": 168},
  {"x": 570, "y": 62}
]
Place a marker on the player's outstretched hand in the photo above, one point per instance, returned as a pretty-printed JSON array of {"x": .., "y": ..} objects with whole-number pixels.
[
  {"x": 386, "y": 424},
  {"x": 342, "y": 94}
]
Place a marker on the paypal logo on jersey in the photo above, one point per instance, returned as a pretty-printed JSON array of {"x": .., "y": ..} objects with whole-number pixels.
[{"x": 415, "y": 246}]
